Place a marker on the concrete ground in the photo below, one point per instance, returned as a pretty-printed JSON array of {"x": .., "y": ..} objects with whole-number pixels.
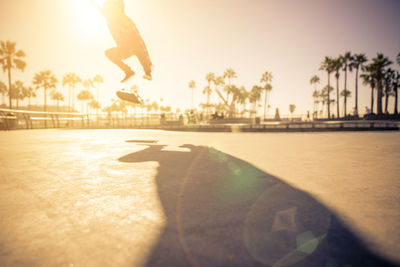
[{"x": 156, "y": 198}]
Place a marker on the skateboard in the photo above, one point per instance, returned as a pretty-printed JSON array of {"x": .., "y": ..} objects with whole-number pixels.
[{"x": 130, "y": 97}]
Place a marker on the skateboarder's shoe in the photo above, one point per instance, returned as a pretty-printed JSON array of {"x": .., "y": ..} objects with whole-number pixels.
[
  {"x": 131, "y": 97},
  {"x": 128, "y": 75},
  {"x": 148, "y": 77}
]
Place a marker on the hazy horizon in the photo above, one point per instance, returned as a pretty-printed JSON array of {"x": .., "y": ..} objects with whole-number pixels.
[{"x": 188, "y": 39}]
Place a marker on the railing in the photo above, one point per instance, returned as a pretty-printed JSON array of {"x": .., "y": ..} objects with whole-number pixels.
[
  {"x": 20, "y": 119},
  {"x": 316, "y": 126},
  {"x": 11, "y": 119},
  {"x": 293, "y": 127}
]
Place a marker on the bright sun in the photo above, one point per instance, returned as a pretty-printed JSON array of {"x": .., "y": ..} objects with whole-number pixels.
[{"x": 87, "y": 17}]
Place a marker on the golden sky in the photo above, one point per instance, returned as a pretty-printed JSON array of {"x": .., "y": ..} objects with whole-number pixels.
[{"x": 189, "y": 38}]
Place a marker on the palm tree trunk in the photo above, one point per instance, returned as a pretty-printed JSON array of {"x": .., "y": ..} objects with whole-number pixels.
[
  {"x": 345, "y": 90},
  {"x": 372, "y": 100},
  {"x": 73, "y": 98},
  {"x": 395, "y": 102},
  {"x": 386, "y": 101},
  {"x": 379, "y": 100},
  {"x": 356, "y": 104},
  {"x": 314, "y": 106},
  {"x": 265, "y": 103},
  {"x": 192, "y": 98},
  {"x": 329, "y": 99},
  {"x": 337, "y": 97},
  {"x": 229, "y": 88},
  {"x": 45, "y": 99},
  {"x": 69, "y": 98},
  {"x": 208, "y": 105},
  {"x": 9, "y": 82},
  {"x": 45, "y": 106}
]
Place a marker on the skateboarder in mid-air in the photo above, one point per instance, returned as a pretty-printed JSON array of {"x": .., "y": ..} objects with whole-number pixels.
[{"x": 127, "y": 37}]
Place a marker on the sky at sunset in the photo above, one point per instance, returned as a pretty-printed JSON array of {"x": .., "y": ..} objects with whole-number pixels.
[{"x": 189, "y": 38}]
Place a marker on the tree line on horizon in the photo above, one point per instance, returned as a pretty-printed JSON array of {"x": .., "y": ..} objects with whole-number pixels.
[
  {"x": 233, "y": 99},
  {"x": 377, "y": 74},
  {"x": 11, "y": 58}
]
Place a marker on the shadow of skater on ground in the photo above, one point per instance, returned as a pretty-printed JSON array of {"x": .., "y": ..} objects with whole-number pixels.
[{"x": 222, "y": 211}]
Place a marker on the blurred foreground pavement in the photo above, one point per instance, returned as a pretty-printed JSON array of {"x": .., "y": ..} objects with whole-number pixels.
[{"x": 155, "y": 198}]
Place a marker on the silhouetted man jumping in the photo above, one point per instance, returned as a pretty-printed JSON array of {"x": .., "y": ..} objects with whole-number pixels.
[{"x": 127, "y": 37}]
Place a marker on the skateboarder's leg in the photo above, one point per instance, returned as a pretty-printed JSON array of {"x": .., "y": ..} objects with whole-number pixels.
[
  {"x": 115, "y": 55},
  {"x": 144, "y": 59}
]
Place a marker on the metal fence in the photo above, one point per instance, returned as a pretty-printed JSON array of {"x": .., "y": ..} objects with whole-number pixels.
[
  {"x": 23, "y": 119},
  {"x": 11, "y": 119}
]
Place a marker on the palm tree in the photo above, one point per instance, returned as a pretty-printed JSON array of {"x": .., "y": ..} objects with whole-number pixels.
[
  {"x": 57, "y": 96},
  {"x": 71, "y": 79},
  {"x": 88, "y": 84},
  {"x": 229, "y": 74},
  {"x": 267, "y": 79},
  {"x": 17, "y": 90},
  {"x": 388, "y": 86},
  {"x": 11, "y": 58},
  {"x": 97, "y": 79},
  {"x": 84, "y": 95},
  {"x": 325, "y": 96},
  {"x": 133, "y": 89},
  {"x": 380, "y": 63},
  {"x": 242, "y": 98},
  {"x": 316, "y": 95},
  {"x": 255, "y": 96},
  {"x": 30, "y": 92},
  {"x": 292, "y": 108},
  {"x": 235, "y": 91},
  {"x": 26, "y": 93},
  {"x": 345, "y": 93},
  {"x": 192, "y": 86},
  {"x": 333, "y": 103},
  {"x": 327, "y": 66},
  {"x": 94, "y": 105},
  {"x": 337, "y": 65},
  {"x": 358, "y": 63},
  {"x": 3, "y": 91},
  {"x": 207, "y": 91},
  {"x": 369, "y": 78},
  {"x": 396, "y": 84},
  {"x": 314, "y": 80},
  {"x": 398, "y": 59},
  {"x": 46, "y": 80},
  {"x": 347, "y": 58},
  {"x": 156, "y": 107},
  {"x": 219, "y": 82},
  {"x": 210, "y": 77}
]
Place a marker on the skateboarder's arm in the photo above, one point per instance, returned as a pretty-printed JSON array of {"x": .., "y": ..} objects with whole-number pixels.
[{"x": 99, "y": 8}]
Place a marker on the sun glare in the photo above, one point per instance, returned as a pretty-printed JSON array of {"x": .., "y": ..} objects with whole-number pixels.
[{"x": 87, "y": 17}]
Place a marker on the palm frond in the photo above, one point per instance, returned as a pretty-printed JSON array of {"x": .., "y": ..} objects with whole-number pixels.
[{"x": 20, "y": 64}]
